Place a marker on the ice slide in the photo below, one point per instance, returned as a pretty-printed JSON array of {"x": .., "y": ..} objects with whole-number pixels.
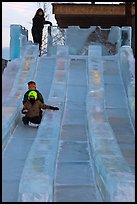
[{"x": 85, "y": 151}]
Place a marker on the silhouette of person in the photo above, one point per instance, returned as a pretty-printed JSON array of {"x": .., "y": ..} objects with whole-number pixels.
[{"x": 38, "y": 25}]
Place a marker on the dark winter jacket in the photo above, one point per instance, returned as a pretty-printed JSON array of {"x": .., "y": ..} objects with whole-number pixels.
[
  {"x": 37, "y": 27},
  {"x": 38, "y": 24},
  {"x": 40, "y": 97}
]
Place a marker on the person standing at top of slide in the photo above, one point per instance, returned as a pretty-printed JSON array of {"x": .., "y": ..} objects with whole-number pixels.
[{"x": 37, "y": 26}]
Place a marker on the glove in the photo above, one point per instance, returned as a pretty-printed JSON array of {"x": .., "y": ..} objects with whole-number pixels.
[
  {"x": 24, "y": 111},
  {"x": 55, "y": 108}
]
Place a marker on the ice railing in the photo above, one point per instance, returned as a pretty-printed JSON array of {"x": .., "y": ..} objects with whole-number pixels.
[{"x": 78, "y": 39}]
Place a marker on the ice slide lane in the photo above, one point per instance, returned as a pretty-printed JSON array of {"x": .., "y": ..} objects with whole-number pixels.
[
  {"x": 36, "y": 184},
  {"x": 23, "y": 70},
  {"x": 74, "y": 175},
  {"x": 19, "y": 144},
  {"x": 117, "y": 110}
]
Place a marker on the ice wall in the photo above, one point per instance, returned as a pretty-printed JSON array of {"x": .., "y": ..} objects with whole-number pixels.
[
  {"x": 18, "y": 40},
  {"x": 127, "y": 67},
  {"x": 78, "y": 40},
  {"x": 75, "y": 38}
]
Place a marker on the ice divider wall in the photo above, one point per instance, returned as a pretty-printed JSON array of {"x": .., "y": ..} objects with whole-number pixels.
[{"x": 127, "y": 69}]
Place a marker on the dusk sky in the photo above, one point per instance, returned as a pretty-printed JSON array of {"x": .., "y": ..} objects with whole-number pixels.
[{"x": 20, "y": 13}]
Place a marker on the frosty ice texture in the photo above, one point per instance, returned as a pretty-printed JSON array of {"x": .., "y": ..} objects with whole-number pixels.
[
  {"x": 113, "y": 175},
  {"x": 18, "y": 40}
]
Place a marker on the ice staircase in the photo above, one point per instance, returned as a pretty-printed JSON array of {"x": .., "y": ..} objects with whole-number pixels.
[{"x": 85, "y": 151}]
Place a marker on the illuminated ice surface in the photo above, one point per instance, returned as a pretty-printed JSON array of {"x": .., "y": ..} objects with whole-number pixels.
[{"x": 85, "y": 151}]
